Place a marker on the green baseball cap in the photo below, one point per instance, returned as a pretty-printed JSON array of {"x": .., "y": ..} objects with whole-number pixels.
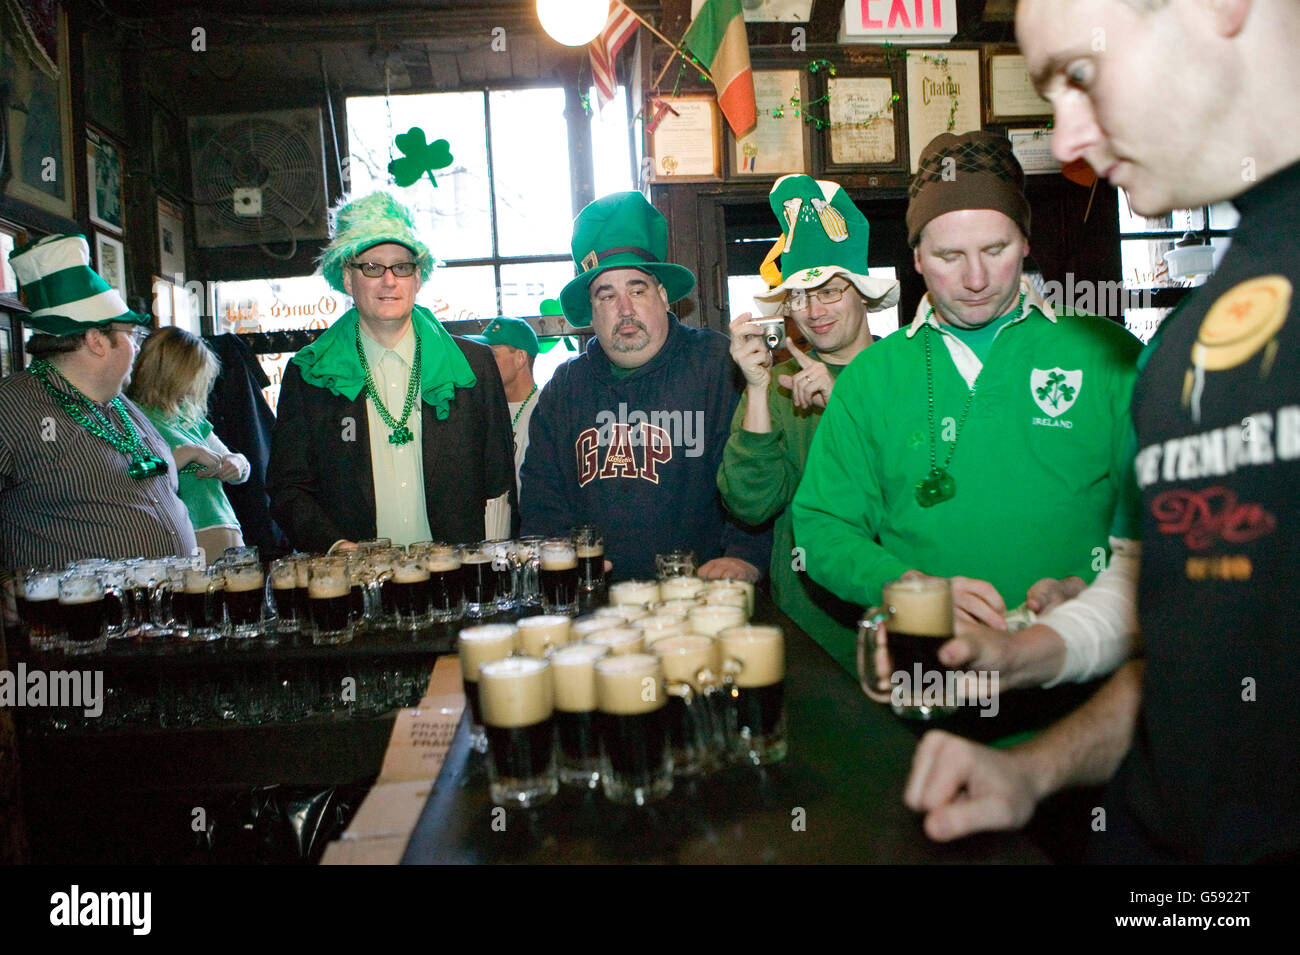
[
  {"x": 514, "y": 332},
  {"x": 620, "y": 231}
]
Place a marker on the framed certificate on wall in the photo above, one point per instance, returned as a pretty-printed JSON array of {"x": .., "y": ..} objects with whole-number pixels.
[
  {"x": 685, "y": 138},
  {"x": 778, "y": 144}
]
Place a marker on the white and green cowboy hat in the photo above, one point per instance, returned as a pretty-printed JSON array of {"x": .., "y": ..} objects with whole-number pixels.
[
  {"x": 823, "y": 234},
  {"x": 65, "y": 294}
]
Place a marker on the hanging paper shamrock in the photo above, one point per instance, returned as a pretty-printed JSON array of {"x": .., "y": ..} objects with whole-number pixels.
[
  {"x": 418, "y": 157},
  {"x": 551, "y": 306}
]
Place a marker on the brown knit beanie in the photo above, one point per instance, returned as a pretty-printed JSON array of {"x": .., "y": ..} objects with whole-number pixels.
[{"x": 982, "y": 174}]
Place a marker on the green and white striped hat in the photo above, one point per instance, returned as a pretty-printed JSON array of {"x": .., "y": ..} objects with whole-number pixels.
[{"x": 65, "y": 294}]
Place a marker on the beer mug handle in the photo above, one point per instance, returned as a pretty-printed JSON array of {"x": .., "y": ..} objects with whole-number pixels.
[
  {"x": 160, "y": 591},
  {"x": 868, "y": 632},
  {"x": 372, "y": 598}
]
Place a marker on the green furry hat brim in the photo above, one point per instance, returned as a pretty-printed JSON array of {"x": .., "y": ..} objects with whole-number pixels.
[{"x": 366, "y": 223}]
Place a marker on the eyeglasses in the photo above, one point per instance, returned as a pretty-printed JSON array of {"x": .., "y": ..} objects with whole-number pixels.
[
  {"x": 375, "y": 270},
  {"x": 798, "y": 301},
  {"x": 137, "y": 333}
]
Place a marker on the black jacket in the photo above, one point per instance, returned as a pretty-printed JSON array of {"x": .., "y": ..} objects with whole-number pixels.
[{"x": 322, "y": 486}]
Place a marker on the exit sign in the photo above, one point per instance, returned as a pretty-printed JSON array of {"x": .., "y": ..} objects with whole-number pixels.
[{"x": 878, "y": 21}]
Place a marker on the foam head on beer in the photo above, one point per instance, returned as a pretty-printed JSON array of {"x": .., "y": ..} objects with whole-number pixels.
[
  {"x": 573, "y": 668},
  {"x": 634, "y": 592},
  {"x": 920, "y": 606},
  {"x": 538, "y": 633},
  {"x": 515, "y": 692},
  {"x": 619, "y": 640},
  {"x": 479, "y": 645},
  {"x": 710, "y": 619},
  {"x": 759, "y": 652},
  {"x": 690, "y": 659},
  {"x": 629, "y": 685}
]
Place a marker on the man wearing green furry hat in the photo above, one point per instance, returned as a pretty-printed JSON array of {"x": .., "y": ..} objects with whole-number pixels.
[
  {"x": 83, "y": 472},
  {"x": 388, "y": 426},
  {"x": 823, "y": 286}
]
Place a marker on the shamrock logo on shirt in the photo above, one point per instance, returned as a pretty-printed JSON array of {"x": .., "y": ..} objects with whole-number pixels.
[{"x": 1055, "y": 389}]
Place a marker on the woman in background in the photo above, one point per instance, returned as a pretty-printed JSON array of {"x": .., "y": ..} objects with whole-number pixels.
[{"x": 173, "y": 375}]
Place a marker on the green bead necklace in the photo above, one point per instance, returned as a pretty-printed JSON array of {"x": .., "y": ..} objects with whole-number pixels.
[
  {"x": 144, "y": 463},
  {"x": 515, "y": 420},
  {"x": 939, "y": 485},
  {"x": 400, "y": 433}
]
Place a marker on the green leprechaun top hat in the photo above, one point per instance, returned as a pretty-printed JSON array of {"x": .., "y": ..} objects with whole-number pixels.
[
  {"x": 823, "y": 234},
  {"x": 65, "y": 294},
  {"x": 620, "y": 231}
]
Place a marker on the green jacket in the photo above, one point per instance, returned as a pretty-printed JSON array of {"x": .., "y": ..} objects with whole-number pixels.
[
  {"x": 758, "y": 478},
  {"x": 1038, "y": 463}
]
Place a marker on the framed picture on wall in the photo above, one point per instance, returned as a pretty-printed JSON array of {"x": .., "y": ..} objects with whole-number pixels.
[
  {"x": 1012, "y": 97},
  {"x": 685, "y": 138},
  {"x": 868, "y": 121},
  {"x": 110, "y": 261},
  {"x": 171, "y": 240},
  {"x": 778, "y": 144},
  {"x": 943, "y": 95},
  {"x": 11, "y": 237},
  {"x": 104, "y": 181},
  {"x": 38, "y": 120}
]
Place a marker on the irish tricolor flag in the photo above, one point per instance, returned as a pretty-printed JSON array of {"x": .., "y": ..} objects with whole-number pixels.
[{"x": 717, "y": 37}]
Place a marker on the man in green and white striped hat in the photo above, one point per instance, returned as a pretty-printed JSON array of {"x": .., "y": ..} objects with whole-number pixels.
[{"x": 82, "y": 471}]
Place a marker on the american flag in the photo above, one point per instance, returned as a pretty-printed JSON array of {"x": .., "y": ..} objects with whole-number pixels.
[{"x": 619, "y": 28}]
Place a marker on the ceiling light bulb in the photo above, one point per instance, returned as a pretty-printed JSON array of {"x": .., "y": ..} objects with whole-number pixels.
[{"x": 573, "y": 22}]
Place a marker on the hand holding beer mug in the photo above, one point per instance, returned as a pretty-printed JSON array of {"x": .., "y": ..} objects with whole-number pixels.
[{"x": 918, "y": 610}]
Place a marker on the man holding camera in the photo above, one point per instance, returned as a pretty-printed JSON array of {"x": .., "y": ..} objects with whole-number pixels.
[{"x": 824, "y": 287}]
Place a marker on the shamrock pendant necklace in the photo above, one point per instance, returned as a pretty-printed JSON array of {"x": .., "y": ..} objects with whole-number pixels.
[
  {"x": 144, "y": 463},
  {"x": 939, "y": 485},
  {"x": 400, "y": 433}
]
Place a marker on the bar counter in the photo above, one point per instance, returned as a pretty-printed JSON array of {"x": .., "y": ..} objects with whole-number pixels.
[{"x": 837, "y": 797}]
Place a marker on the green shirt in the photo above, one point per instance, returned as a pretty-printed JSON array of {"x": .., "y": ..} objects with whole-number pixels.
[
  {"x": 1037, "y": 465},
  {"x": 204, "y": 498},
  {"x": 980, "y": 340},
  {"x": 758, "y": 478}
]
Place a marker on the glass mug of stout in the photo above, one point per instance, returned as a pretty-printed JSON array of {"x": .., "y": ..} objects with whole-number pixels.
[
  {"x": 559, "y": 576},
  {"x": 245, "y": 594},
  {"x": 573, "y": 668},
  {"x": 753, "y": 667},
  {"x": 518, "y": 702},
  {"x": 636, "y": 760},
  {"x": 81, "y": 604},
  {"x": 329, "y": 601},
  {"x": 479, "y": 645},
  {"x": 589, "y": 546},
  {"x": 200, "y": 603},
  {"x": 918, "y": 611},
  {"x": 479, "y": 581},
  {"x": 691, "y": 667}
]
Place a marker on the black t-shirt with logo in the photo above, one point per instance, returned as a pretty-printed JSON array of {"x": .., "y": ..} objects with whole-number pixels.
[{"x": 1213, "y": 774}]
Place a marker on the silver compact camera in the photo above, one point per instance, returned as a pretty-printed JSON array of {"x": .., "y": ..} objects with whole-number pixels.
[{"x": 773, "y": 331}]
